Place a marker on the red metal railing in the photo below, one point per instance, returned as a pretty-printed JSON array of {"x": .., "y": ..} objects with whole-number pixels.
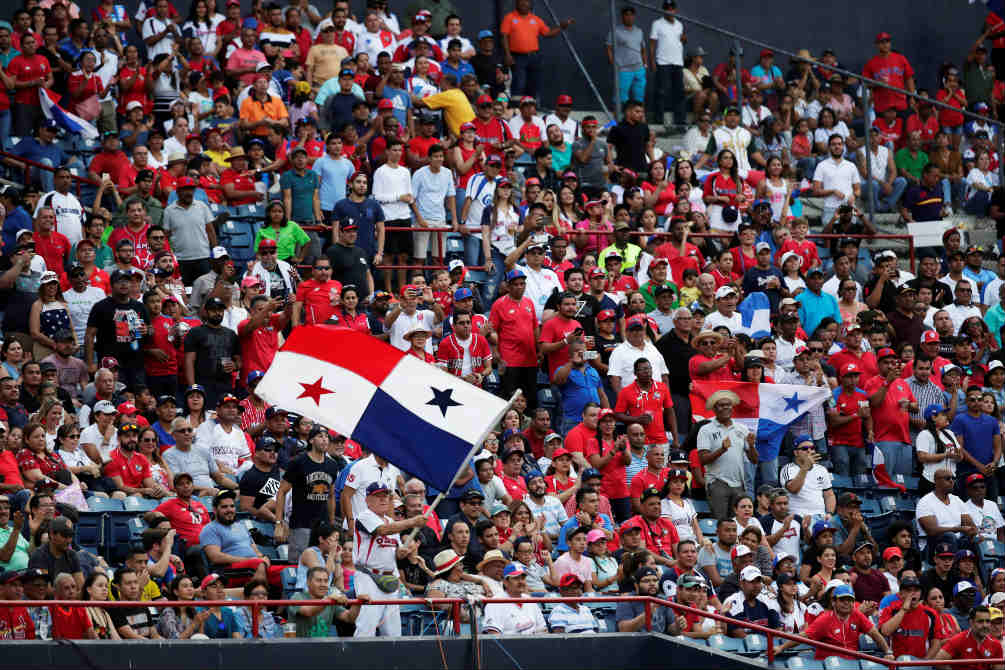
[
  {"x": 456, "y": 603},
  {"x": 30, "y": 164}
]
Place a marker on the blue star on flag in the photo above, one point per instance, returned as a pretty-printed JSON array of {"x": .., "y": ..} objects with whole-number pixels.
[
  {"x": 793, "y": 402},
  {"x": 442, "y": 399}
]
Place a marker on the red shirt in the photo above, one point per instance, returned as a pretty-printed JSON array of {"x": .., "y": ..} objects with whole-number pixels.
[
  {"x": 667, "y": 197},
  {"x": 536, "y": 443},
  {"x": 211, "y": 185},
  {"x": 916, "y": 629},
  {"x": 133, "y": 467},
  {"x": 866, "y": 362},
  {"x": 28, "y": 68},
  {"x": 993, "y": 24},
  {"x": 806, "y": 250},
  {"x": 661, "y": 536},
  {"x": 345, "y": 39},
  {"x": 160, "y": 330},
  {"x": 16, "y": 624},
  {"x": 10, "y": 473},
  {"x": 849, "y": 434},
  {"x": 420, "y": 145},
  {"x": 830, "y": 629},
  {"x": 358, "y": 322},
  {"x": 725, "y": 373},
  {"x": 137, "y": 237},
  {"x": 115, "y": 164},
  {"x": 259, "y": 347},
  {"x": 492, "y": 133},
  {"x": 557, "y": 329},
  {"x": 889, "y": 420},
  {"x": 957, "y": 99},
  {"x": 937, "y": 363},
  {"x": 645, "y": 479},
  {"x": 577, "y": 438},
  {"x": 965, "y": 646},
  {"x": 892, "y": 69},
  {"x": 556, "y": 487},
  {"x": 612, "y": 483},
  {"x": 514, "y": 323},
  {"x": 138, "y": 90},
  {"x": 241, "y": 182},
  {"x": 928, "y": 128},
  {"x": 450, "y": 355},
  {"x": 187, "y": 518},
  {"x": 316, "y": 299},
  {"x": 54, "y": 248},
  {"x": 890, "y": 132},
  {"x": 516, "y": 487},
  {"x": 634, "y": 401},
  {"x": 71, "y": 623},
  {"x": 529, "y": 136}
]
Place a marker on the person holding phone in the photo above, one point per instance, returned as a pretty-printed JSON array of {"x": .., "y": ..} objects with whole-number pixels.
[
  {"x": 808, "y": 482},
  {"x": 559, "y": 332}
]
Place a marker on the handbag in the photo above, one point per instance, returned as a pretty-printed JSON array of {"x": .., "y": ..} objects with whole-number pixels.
[{"x": 386, "y": 583}]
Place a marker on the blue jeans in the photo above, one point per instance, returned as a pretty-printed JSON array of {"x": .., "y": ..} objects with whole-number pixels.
[
  {"x": 526, "y": 74},
  {"x": 952, "y": 191},
  {"x": 632, "y": 85},
  {"x": 884, "y": 203},
  {"x": 806, "y": 167},
  {"x": 849, "y": 461},
  {"x": 496, "y": 278},
  {"x": 45, "y": 176},
  {"x": 898, "y": 457},
  {"x": 472, "y": 250},
  {"x": 5, "y": 129},
  {"x": 765, "y": 472}
]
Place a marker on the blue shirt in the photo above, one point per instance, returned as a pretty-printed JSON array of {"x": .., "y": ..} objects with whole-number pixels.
[
  {"x": 34, "y": 150},
  {"x": 978, "y": 436},
  {"x": 366, "y": 215},
  {"x": 581, "y": 387},
  {"x": 334, "y": 173},
  {"x": 402, "y": 101},
  {"x": 233, "y": 539},
  {"x": 571, "y": 525},
  {"x": 16, "y": 221},
  {"x": 301, "y": 189},
  {"x": 431, "y": 190},
  {"x": 463, "y": 68},
  {"x": 814, "y": 308}
]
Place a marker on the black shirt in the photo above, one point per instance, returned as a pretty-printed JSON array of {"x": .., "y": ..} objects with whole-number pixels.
[
  {"x": 930, "y": 578},
  {"x": 262, "y": 486},
  {"x": 117, "y": 330},
  {"x": 43, "y": 559},
  {"x": 211, "y": 345},
  {"x": 587, "y": 307},
  {"x": 486, "y": 66},
  {"x": 888, "y": 302},
  {"x": 630, "y": 142},
  {"x": 998, "y": 199},
  {"x": 313, "y": 485},
  {"x": 349, "y": 265},
  {"x": 941, "y": 295},
  {"x": 907, "y": 328},
  {"x": 676, "y": 352},
  {"x": 337, "y": 110},
  {"x": 136, "y": 617}
]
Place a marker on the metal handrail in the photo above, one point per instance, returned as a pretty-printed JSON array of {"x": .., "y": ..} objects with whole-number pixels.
[
  {"x": 30, "y": 164},
  {"x": 649, "y": 601}
]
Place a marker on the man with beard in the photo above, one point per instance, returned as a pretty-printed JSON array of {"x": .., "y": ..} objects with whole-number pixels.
[
  {"x": 836, "y": 179},
  {"x": 212, "y": 353},
  {"x": 546, "y": 506},
  {"x": 116, "y": 327},
  {"x": 631, "y": 616},
  {"x": 587, "y": 306},
  {"x": 260, "y": 484},
  {"x": 129, "y": 469},
  {"x": 228, "y": 544},
  {"x": 311, "y": 476}
]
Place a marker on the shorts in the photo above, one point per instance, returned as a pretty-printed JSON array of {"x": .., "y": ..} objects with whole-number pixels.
[
  {"x": 420, "y": 241},
  {"x": 398, "y": 242}
]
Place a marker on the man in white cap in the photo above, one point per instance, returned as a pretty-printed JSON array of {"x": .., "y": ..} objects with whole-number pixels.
[
  {"x": 724, "y": 446},
  {"x": 377, "y": 547},
  {"x": 725, "y": 313},
  {"x": 746, "y": 605},
  {"x": 513, "y": 618}
]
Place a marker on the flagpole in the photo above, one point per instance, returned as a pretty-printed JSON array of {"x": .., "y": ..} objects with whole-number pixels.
[{"x": 475, "y": 448}]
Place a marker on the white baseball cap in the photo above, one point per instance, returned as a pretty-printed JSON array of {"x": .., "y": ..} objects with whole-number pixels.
[
  {"x": 219, "y": 252},
  {"x": 751, "y": 573},
  {"x": 724, "y": 291}
]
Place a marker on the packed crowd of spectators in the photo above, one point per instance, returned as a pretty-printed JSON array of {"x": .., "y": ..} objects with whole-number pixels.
[{"x": 135, "y": 329}]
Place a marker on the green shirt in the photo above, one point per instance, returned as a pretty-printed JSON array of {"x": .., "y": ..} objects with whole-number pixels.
[
  {"x": 302, "y": 188},
  {"x": 629, "y": 256},
  {"x": 648, "y": 292},
  {"x": 911, "y": 164},
  {"x": 318, "y": 625},
  {"x": 19, "y": 559},
  {"x": 560, "y": 160},
  {"x": 287, "y": 239}
]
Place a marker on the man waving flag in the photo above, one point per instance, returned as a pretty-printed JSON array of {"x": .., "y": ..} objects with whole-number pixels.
[{"x": 420, "y": 418}]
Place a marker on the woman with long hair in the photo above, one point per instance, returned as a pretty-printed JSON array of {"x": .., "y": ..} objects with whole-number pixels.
[
  {"x": 776, "y": 189},
  {"x": 78, "y": 462},
  {"x": 500, "y": 225},
  {"x": 605, "y": 567},
  {"x": 525, "y": 524},
  {"x": 567, "y": 212},
  {"x": 201, "y": 24},
  {"x": 324, "y": 550},
  {"x": 744, "y": 254},
  {"x": 609, "y": 455},
  {"x": 148, "y": 445},
  {"x": 96, "y": 590},
  {"x": 50, "y": 414},
  {"x": 723, "y": 189},
  {"x": 594, "y": 232},
  {"x": 683, "y": 173},
  {"x": 166, "y": 86},
  {"x": 792, "y": 276},
  {"x": 421, "y": 83},
  {"x": 348, "y": 311},
  {"x": 560, "y": 477},
  {"x": 13, "y": 357},
  {"x": 848, "y": 303},
  {"x": 49, "y": 316},
  {"x": 658, "y": 188},
  {"x": 983, "y": 342},
  {"x": 946, "y": 625},
  {"x": 85, "y": 87},
  {"x": 827, "y": 125},
  {"x": 743, "y": 515},
  {"x": 37, "y": 464},
  {"x": 792, "y": 610},
  {"x": 466, "y": 157},
  {"x": 195, "y": 406},
  {"x": 134, "y": 82},
  {"x": 269, "y": 626},
  {"x": 679, "y": 509},
  {"x": 181, "y": 623},
  {"x": 291, "y": 240},
  {"x": 937, "y": 447},
  {"x": 818, "y": 581}
]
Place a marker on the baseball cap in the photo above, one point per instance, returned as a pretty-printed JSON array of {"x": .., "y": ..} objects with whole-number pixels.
[
  {"x": 568, "y": 579},
  {"x": 630, "y": 526},
  {"x": 274, "y": 412},
  {"x": 61, "y": 525},
  {"x": 885, "y": 352},
  {"x": 472, "y": 494},
  {"x": 563, "y": 100},
  {"x": 267, "y": 243},
  {"x": 456, "y": 264},
  {"x": 751, "y": 573},
  {"x": 515, "y": 273},
  {"x": 209, "y": 579},
  {"x": 689, "y": 581},
  {"x": 975, "y": 478},
  {"x": 891, "y": 552},
  {"x": 739, "y": 551},
  {"x": 724, "y": 291},
  {"x": 909, "y": 580},
  {"x": 638, "y": 320},
  {"x": 250, "y": 280},
  {"x": 605, "y": 314},
  {"x": 822, "y": 527},
  {"x": 485, "y": 34},
  {"x": 484, "y": 99},
  {"x": 929, "y": 336},
  {"x": 850, "y": 369},
  {"x": 214, "y": 303},
  {"x": 377, "y": 487},
  {"x": 127, "y": 408},
  {"x": 463, "y": 293},
  {"x": 185, "y": 182},
  {"x": 513, "y": 570},
  {"x": 945, "y": 549},
  {"x": 962, "y": 586},
  {"x": 862, "y": 545},
  {"x": 104, "y": 407},
  {"x": 678, "y": 456},
  {"x": 219, "y": 252},
  {"x": 843, "y": 591},
  {"x": 385, "y": 103},
  {"x": 590, "y": 473},
  {"x": 930, "y": 413},
  {"x": 594, "y": 535},
  {"x": 882, "y": 36},
  {"x": 761, "y": 246},
  {"x": 165, "y": 399},
  {"x": 120, "y": 275},
  {"x": 848, "y": 498}
]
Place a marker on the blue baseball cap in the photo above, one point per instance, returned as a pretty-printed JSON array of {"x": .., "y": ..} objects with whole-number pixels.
[
  {"x": 254, "y": 376},
  {"x": 250, "y": 22},
  {"x": 513, "y": 570},
  {"x": 196, "y": 388},
  {"x": 962, "y": 586},
  {"x": 463, "y": 293},
  {"x": 515, "y": 273},
  {"x": 822, "y": 527},
  {"x": 590, "y": 473},
  {"x": 482, "y": 34},
  {"x": 533, "y": 474},
  {"x": 932, "y": 410},
  {"x": 377, "y": 487},
  {"x": 843, "y": 591}
]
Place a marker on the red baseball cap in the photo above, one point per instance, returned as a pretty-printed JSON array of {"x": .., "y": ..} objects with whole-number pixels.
[
  {"x": 850, "y": 369},
  {"x": 591, "y": 122},
  {"x": 468, "y": 126},
  {"x": 885, "y": 352},
  {"x": 484, "y": 99},
  {"x": 765, "y": 53},
  {"x": 637, "y": 320},
  {"x": 630, "y": 525},
  {"x": 605, "y": 314},
  {"x": 883, "y": 36},
  {"x": 597, "y": 272},
  {"x": 532, "y": 181},
  {"x": 109, "y": 363},
  {"x": 890, "y": 552},
  {"x": 564, "y": 100},
  {"x": 594, "y": 203},
  {"x": 558, "y": 453},
  {"x": 267, "y": 243},
  {"x": 127, "y": 408},
  {"x": 409, "y": 287},
  {"x": 569, "y": 579},
  {"x": 929, "y": 336},
  {"x": 659, "y": 260},
  {"x": 385, "y": 103},
  {"x": 528, "y": 100},
  {"x": 185, "y": 182}
]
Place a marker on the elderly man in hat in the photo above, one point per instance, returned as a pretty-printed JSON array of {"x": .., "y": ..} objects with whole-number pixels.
[
  {"x": 711, "y": 363},
  {"x": 513, "y": 618},
  {"x": 724, "y": 446}
]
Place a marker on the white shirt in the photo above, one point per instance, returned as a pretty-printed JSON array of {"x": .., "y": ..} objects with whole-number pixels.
[
  {"x": 517, "y": 122},
  {"x": 682, "y": 517},
  {"x": 734, "y": 322},
  {"x": 669, "y": 48},
  {"x": 622, "y": 362},
  {"x": 389, "y": 184},
  {"x": 729, "y": 467},
  {"x": 466, "y": 45},
  {"x": 376, "y": 552},
  {"x": 879, "y": 161},
  {"x": 786, "y": 352},
  {"x": 227, "y": 448},
  {"x": 945, "y": 514},
  {"x": 832, "y": 285},
  {"x": 69, "y": 214},
  {"x": 753, "y": 117},
  {"x": 406, "y": 322},
  {"x": 840, "y": 175},
  {"x": 79, "y": 305},
  {"x": 365, "y": 472},
  {"x": 91, "y": 435},
  {"x": 990, "y": 295},
  {"x": 372, "y": 44},
  {"x": 109, "y": 68},
  {"x": 810, "y": 499},
  {"x": 789, "y": 542},
  {"x": 154, "y": 26},
  {"x": 481, "y": 190},
  {"x": 570, "y": 127},
  {"x": 960, "y": 313},
  {"x": 494, "y": 490},
  {"x": 513, "y": 619},
  {"x": 988, "y": 518},
  {"x": 77, "y": 458},
  {"x": 925, "y": 444},
  {"x": 540, "y": 285}
]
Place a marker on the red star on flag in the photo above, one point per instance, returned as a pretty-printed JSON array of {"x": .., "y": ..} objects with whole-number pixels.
[{"x": 314, "y": 391}]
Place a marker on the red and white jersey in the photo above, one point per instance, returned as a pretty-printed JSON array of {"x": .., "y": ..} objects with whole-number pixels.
[
  {"x": 375, "y": 552},
  {"x": 373, "y": 43},
  {"x": 462, "y": 358}
]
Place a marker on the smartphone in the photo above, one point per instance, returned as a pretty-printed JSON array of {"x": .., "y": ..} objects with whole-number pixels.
[
  {"x": 578, "y": 331},
  {"x": 590, "y": 355}
]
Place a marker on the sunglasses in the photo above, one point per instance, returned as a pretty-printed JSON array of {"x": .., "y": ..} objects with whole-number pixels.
[
  {"x": 145, "y": 439},
  {"x": 72, "y": 436},
  {"x": 268, "y": 252},
  {"x": 184, "y": 430},
  {"x": 816, "y": 350}
]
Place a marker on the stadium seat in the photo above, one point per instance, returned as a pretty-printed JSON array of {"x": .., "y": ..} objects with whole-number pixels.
[
  {"x": 701, "y": 507},
  {"x": 841, "y": 481},
  {"x": 803, "y": 663},
  {"x": 991, "y": 549},
  {"x": 139, "y": 504},
  {"x": 870, "y": 506},
  {"x": 755, "y": 644},
  {"x": 238, "y": 237},
  {"x": 97, "y": 504},
  {"x": 136, "y": 528},
  {"x": 838, "y": 663},
  {"x": 707, "y": 526},
  {"x": 89, "y": 531},
  {"x": 118, "y": 536},
  {"x": 871, "y": 665},
  {"x": 724, "y": 643},
  {"x": 288, "y": 578},
  {"x": 866, "y": 644}
]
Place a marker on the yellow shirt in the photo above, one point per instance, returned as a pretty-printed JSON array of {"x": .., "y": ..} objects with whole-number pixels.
[
  {"x": 326, "y": 59},
  {"x": 253, "y": 110},
  {"x": 150, "y": 592},
  {"x": 456, "y": 108},
  {"x": 219, "y": 157}
]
